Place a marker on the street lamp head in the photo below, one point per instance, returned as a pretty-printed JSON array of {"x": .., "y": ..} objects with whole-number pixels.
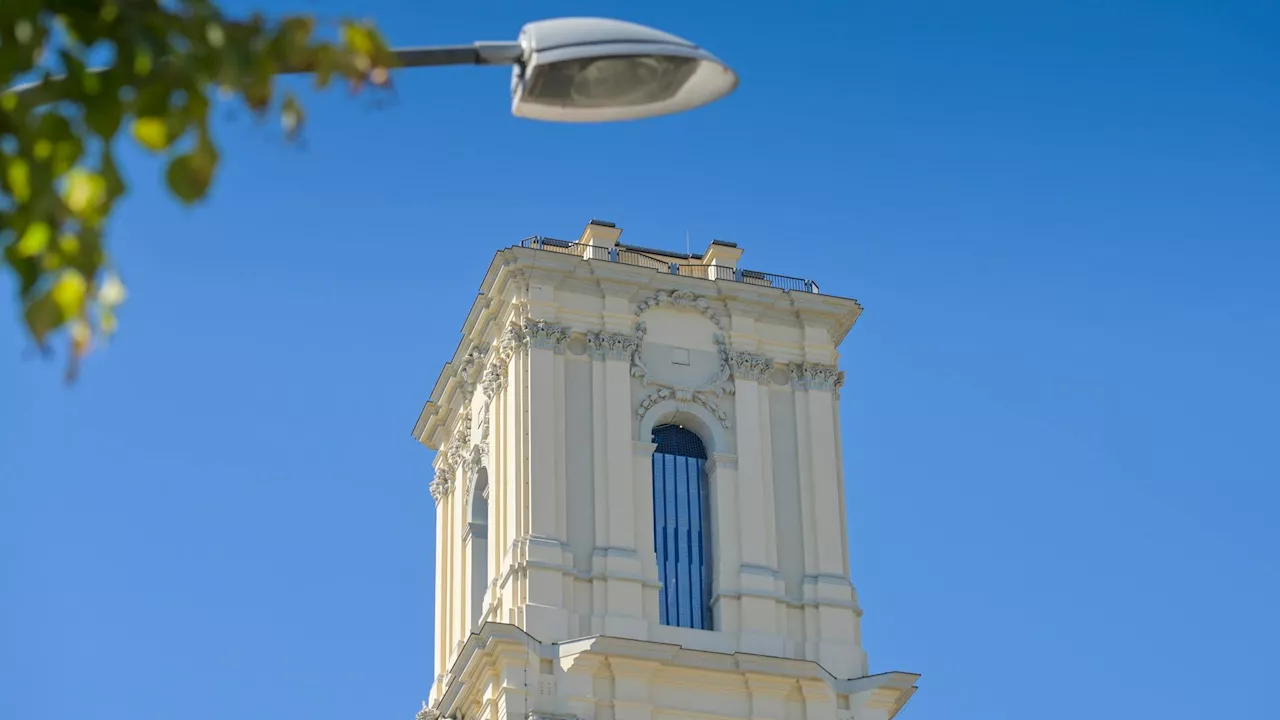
[{"x": 597, "y": 70}]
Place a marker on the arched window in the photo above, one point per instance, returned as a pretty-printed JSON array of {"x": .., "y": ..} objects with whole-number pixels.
[
  {"x": 478, "y": 529},
  {"x": 681, "y": 528}
]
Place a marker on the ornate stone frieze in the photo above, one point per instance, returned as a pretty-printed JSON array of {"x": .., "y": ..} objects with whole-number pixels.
[
  {"x": 513, "y": 340},
  {"x": 815, "y": 376},
  {"x": 680, "y": 298},
  {"x": 715, "y": 409},
  {"x": 470, "y": 366},
  {"x": 614, "y": 346},
  {"x": 442, "y": 485},
  {"x": 459, "y": 450},
  {"x": 494, "y": 380},
  {"x": 484, "y": 424},
  {"x": 653, "y": 398},
  {"x": 546, "y": 335},
  {"x": 682, "y": 396},
  {"x": 750, "y": 366},
  {"x": 720, "y": 382}
]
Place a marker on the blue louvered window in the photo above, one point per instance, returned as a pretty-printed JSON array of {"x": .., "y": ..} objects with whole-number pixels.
[{"x": 681, "y": 527}]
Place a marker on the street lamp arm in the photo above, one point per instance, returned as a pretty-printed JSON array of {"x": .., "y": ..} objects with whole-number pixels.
[{"x": 480, "y": 53}]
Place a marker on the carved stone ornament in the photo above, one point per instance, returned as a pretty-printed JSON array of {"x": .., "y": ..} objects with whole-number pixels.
[
  {"x": 469, "y": 368},
  {"x": 720, "y": 382},
  {"x": 680, "y": 298},
  {"x": 750, "y": 366},
  {"x": 427, "y": 713},
  {"x": 546, "y": 335},
  {"x": 494, "y": 380},
  {"x": 602, "y": 345},
  {"x": 442, "y": 485},
  {"x": 683, "y": 396},
  {"x": 513, "y": 340},
  {"x": 484, "y": 425},
  {"x": 459, "y": 448},
  {"x": 815, "y": 376}
]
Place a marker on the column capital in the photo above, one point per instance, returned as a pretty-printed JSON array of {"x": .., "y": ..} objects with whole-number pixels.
[
  {"x": 750, "y": 366},
  {"x": 816, "y": 376},
  {"x": 611, "y": 346},
  {"x": 545, "y": 335}
]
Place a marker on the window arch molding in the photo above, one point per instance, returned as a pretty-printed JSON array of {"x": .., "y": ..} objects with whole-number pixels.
[{"x": 692, "y": 415}]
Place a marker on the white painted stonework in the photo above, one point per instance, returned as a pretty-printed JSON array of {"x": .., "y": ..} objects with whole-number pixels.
[{"x": 547, "y": 581}]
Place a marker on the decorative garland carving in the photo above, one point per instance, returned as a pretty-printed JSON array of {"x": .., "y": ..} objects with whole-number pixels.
[
  {"x": 495, "y": 379},
  {"x": 453, "y": 461},
  {"x": 750, "y": 366},
  {"x": 614, "y": 346},
  {"x": 513, "y": 340},
  {"x": 815, "y": 376},
  {"x": 546, "y": 335},
  {"x": 469, "y": 368},
  {"x": 711, "y": 405},
  {"x": 683, "y": 396},
  {"x": 652, "y": 399},
  {"x": 427, "y": 713},
  {"x": 680, "y": 298},
  {"x": 442, "y": 485},
  {"x": 719, "y": 384}
]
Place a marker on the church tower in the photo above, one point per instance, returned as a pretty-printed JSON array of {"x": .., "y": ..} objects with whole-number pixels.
[{"x": 639, "y": 490}]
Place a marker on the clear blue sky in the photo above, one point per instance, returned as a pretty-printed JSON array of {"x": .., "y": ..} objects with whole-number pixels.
[{"x": 1063, "y": 218}]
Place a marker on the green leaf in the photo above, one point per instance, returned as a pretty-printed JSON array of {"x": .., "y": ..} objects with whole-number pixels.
[
  {"x": 85, "y": 191},
  {"x": 152, "y": 132},
  {"x": 43, "y": 317},
  {"x": 190, "y": 175},
  {"x": 103, "y": 114},
  {"x": 34, "y": 240},
  {"x": 18, "y": 175},
  {"x": 62, "y": 302},
  {"x": 68, "y": 292}
]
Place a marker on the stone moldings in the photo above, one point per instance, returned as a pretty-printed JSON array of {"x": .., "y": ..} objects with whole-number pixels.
[
  {"x": 613, "y": 346},
  {"x": 720, "y": 383},
  {"x": 546, "y": 335},
  {"x": 442, "y": 485},
  {"x": 750, "y": 366},
  {"x": 815, "y": 376},
  {"x": 680, "y": 298}
]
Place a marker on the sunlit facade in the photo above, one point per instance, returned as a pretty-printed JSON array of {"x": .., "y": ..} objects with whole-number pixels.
[{"x": 640, "y": 508}]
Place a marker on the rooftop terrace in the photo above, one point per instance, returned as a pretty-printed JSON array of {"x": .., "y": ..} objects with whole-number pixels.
[{"x": 599, "y": 241}]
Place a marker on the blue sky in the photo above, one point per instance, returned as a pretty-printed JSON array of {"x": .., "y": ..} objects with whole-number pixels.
[{"x": 1063, "y": 218}]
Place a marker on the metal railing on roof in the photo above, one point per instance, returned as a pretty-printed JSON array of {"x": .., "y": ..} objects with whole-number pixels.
[{"x": 708, "y": 272}]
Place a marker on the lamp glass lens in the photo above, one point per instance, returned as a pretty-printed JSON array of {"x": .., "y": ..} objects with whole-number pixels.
[{"x": 619, "y": 81}]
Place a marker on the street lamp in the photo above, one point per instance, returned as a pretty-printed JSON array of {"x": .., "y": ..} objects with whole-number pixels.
[
  {"x": 593, "y": 70},
  {"x": 573, "y": 70}
]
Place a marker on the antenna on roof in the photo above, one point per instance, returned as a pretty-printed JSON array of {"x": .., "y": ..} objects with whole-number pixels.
[{"x": 687, "y": 249}]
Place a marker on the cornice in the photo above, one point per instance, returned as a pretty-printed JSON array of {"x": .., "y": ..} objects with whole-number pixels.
[{"x": 507, "y": 277}]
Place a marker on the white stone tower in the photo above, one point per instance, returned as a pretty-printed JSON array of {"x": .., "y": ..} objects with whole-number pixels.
[{"x": 639, "y": 494}]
